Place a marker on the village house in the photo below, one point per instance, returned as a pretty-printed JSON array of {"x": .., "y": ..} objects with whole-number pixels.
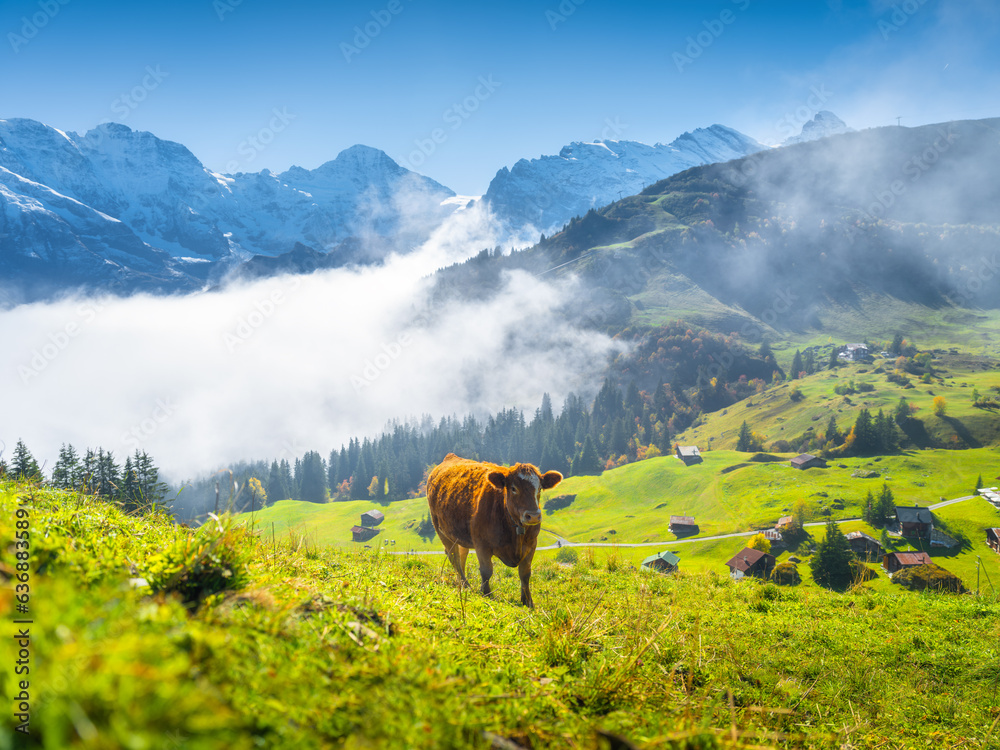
[
  {"x": 807, "y": 461},
  {"x": 865, "y": 547},
  {"x": 363, "y": 533},
  {"x": 372, "y": 518},
  {"x": 783, "y": 523},
  {"x": 854, "y": 353},
  {"x": 915, "y": 521},
  {"x": 750, "y": 562},
  {"x": 683, "y": 525},
  {"x": 993, "y": 539},
  {"x": 689, "y": 454},
  {"x": 896, "y": 561},
  {"x": 665, "y": 562}
]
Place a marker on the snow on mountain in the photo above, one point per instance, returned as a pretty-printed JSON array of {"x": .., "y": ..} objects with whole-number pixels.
[
  {"x": 823, "y": 124},
  {"x": 547, "y": 192},
  {"x": 79, "y": 205}
]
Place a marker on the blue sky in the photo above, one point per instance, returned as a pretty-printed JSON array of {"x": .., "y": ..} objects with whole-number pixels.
[{"x": 459, "y": 90}]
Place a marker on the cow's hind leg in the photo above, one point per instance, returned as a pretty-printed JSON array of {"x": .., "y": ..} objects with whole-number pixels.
[{"x": 456, "y": 554}]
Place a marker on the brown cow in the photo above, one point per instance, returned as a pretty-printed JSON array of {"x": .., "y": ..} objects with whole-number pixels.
[{"x": 491, "y": 509}]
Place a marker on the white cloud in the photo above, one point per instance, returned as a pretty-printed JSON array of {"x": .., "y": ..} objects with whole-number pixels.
[{"x": 286, "y": 364}]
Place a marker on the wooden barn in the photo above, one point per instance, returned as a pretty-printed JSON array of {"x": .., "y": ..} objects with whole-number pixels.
[
  {"x": 665, "y": 562},
  {"x": 915, "y": 521},
  {"x": 372, "y": 518},
  {"x": 689, "y": 454},
  {"x": 808, "y": 461},
  {"x": 895, "y": 561},
  {"x": 865, "y": 547},
  {"x": 750, "y": 562},
  {"x": 783, "y": 523},
  {"x": 683, "y": 525},
  {"x": 993, "y": 539},
  {"x": 363, "y": 533}
]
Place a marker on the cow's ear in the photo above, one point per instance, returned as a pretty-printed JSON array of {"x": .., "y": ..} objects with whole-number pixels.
[
  {"x": 550, "y": 479},
  {"x": 498, "y": 479}
]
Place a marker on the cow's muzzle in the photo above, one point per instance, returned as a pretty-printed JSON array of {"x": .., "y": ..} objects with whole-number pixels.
[{"x": 531, "y": 517}]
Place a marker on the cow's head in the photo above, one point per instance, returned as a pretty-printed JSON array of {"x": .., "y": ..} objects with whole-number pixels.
[{"x": 522, "y": 485}]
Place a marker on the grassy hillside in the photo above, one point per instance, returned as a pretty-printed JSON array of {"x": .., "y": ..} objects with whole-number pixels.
[
  {"x": 241, "y": 641},
  {"x": 775, "y": 415}
]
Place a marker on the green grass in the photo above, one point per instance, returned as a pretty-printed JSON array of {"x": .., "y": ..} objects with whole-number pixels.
[
  {"x": 323, "y": 648},
  {"x": 774, "y": 415}
]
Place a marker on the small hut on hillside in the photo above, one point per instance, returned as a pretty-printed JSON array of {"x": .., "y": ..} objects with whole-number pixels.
[
  {"x": 372, "y": 518},
  {"x": 898, "y": 560},
  {"x": 363, "y": 533},
  {"x": 689, "y": 454},
  {"x": 750, "y": 562},
  {"x": 665, "y": 562}
]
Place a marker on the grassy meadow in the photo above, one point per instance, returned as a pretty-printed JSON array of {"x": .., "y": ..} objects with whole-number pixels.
[{"x": 236, "y": 639}]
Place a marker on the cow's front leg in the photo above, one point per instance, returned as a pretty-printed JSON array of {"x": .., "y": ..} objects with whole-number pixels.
[
  {"x": 524, "y": 569},
  {"x": 485, "y": 570}
]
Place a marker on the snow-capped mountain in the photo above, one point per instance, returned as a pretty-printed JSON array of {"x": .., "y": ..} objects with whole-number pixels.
[
  {"x": 823, "y": 124},
  {"x": 117, "y": 204},
  {"x": 547, "y": 192}
]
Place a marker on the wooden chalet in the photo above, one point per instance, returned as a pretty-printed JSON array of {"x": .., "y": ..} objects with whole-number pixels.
[
  {"x": 993, "y": 540},
  {"x": 363, "y": 533},
  {"x": 682, "y": 525},
  {"x": 773, "y": 536},
  {"x": 808, "y": 461},
  {"x": 915, "y": 521},
  {"x": 750, "y": 562},
  {"x": 665, "y": 562},
  {"x": 783, "y": 523},
  {"x": 896, "y": 561},
  {"x": 372, "y": 518},
  {"x": 689, "y": 454},
  {"x": 865, "y": 547}
]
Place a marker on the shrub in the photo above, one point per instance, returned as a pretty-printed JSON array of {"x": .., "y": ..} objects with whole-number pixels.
[
  {"x": 786, "y": 574},
  {"x": 211, "y": 560},
  {"x": 929, "y": 576},
  {"x": 567, "y": 555}
]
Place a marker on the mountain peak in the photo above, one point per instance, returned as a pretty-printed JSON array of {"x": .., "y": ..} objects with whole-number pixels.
[{"x": 823, "y": 124}]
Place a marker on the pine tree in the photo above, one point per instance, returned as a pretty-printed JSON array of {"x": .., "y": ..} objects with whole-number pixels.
[
  {"x": 832, "y": 433},
  {"x": 868, "y": 509},
  {"x": 313, "y": 478},
  {"x": 979, "y": 485},
  {"x": 885, "y": 433},
  {"x": 798, "y": 365},
  {"x": 865, "y": 439},
  {"x": 831, "y": 563},
  {"x": 588, "y": 462},
  {"x": 886, "y": 507},
  {"x": 810, "y": 362},
  {"x": 65, "y": 473},
  {"x": 744, "y": 442},
  {"x": 23, "y": 465},
  {"x": 902, "y": 412}
]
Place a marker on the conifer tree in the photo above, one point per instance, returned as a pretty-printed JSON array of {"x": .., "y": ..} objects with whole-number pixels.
[
  {"x": 809, "y": 363},
  {"x": 797, "y": 365},
  {"x": 23, "y": 465},
  {"x": 66, "y": 471},
  {"x": 588, "y": 462},
  {"x": 744, "y": 442},
  {"x": 831, "y": 563}
]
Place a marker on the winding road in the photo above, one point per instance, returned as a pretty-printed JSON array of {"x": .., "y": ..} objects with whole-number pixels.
[{"x": 563, "y": 542}]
